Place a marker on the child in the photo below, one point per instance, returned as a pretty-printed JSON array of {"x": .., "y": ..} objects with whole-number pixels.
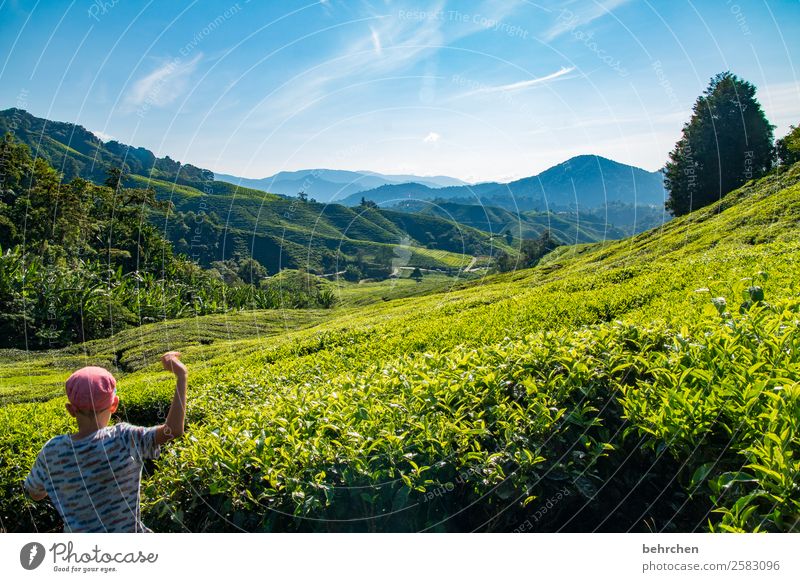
[{"x": 93, "y": 475}]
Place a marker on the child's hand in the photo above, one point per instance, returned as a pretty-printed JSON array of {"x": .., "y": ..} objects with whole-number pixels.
[{"x": 172, "y": 364}]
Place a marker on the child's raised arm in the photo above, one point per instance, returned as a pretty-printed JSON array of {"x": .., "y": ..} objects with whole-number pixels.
[{"x": 174, "y": 424}]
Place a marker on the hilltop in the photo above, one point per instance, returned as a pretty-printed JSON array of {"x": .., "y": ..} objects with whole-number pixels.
[
  {"x": 645, "y": 384},
  {"x": 77, "y": 152}
]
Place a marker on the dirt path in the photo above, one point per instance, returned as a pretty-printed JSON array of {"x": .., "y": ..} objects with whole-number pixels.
[{"x": 471, "y": 264}]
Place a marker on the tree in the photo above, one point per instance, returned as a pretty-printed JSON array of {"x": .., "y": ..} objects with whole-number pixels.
[
  {"x": 727, "y": 142},
  {"x": 509, "y": 237},
  {"x": 302, "y": 196},
  {"x": 367, "y": 203},
  {"x": 416, "y": 274},
  {"x": 531, "y": 252},
  {"x": 250, "y": 270},
  {"x": 352, "y": 273},
  {"x": 505, "y": 262},
  {"x": 788, "y": 147},
  {"x": 15, "y": 167},
  {"x": 115, "y": 177},
  {"x": 384, "y": 257}
]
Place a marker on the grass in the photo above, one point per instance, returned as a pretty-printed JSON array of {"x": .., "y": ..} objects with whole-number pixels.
[
  {"x": 367, "y": 292},
  {"x": 603, "y": 370}
]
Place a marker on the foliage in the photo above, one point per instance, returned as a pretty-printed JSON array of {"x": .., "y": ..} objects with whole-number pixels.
[
  {"x": 79, "y": 261},
  {"x": 352, "y": 273},
  {"x": 788, "y": 147},
  {"x": 299, "y": 289},
  {"x": 727, "y": 142},
  {"x": 530, "y": 253}
]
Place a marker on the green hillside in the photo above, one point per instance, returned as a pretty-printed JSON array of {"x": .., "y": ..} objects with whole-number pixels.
[
  {"x": 76, "y": 152},
  {"x": 321, "y": 238},
  {"x": 277, "y": 231},
  {"x": 565, "y": 227},
  {"x": 647, "y": 384}
]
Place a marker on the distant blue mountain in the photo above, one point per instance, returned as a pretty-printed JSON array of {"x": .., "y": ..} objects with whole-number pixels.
[
  {"x": 332, "y": 185},
  {"x": 581, "y": 183}
]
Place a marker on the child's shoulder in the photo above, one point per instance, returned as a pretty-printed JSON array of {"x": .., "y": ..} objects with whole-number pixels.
[
  {"x": 125, "y": 429},
  {"x": 58, "y": 439},
  {"x": 56, "y": 442}
]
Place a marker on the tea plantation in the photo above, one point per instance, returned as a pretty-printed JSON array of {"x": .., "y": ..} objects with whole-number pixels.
[{"x": 647, "y": 384}]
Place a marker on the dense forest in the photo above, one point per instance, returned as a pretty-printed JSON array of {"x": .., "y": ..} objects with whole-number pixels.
[{"x": 81, "y": 260}]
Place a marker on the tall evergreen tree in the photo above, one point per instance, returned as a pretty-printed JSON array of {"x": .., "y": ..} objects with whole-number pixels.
[{"x": 727, "y": 142}]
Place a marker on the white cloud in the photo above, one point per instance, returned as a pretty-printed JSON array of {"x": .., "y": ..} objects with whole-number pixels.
[
  {"x": 163, "y": 85},
  {"x": 567, "y": 19},
  {"x": 432, "y": 137},
  {"x": 376, "y": 42},
  {"x": 103, "y": 136},
  {"x": 524, "y": 84}
]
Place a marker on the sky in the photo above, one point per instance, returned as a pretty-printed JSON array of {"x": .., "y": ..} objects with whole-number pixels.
[{"x": 478, "y": 90}]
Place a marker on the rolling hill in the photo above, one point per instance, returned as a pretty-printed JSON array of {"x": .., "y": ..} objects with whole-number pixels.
[
  {"x": 239, "y": 218},
  {"x": 215, "y": 220},
  {"x": 566, "y": 227},
  {"x": 76, "y": 152}
]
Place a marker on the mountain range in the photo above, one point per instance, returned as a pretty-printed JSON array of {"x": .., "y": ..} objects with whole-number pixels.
[
  {"x": 333, "y": 185},
  {"x": 441, "y": 219},
  {"x": 580, "y": 183},
  {"x": 215, "y": 220}
]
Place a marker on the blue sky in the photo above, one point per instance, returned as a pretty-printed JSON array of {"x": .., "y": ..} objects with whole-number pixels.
[{"x": 480, "y": 90}]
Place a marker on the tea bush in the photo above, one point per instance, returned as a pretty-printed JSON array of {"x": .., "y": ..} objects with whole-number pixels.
[{"x": 655, "y": 380}]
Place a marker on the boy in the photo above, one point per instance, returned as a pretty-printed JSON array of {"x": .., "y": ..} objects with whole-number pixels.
[{"x": 93, "y": 476}]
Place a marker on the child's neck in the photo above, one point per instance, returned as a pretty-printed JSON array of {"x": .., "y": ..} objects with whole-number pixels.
[{"x": 87, "y": 426}]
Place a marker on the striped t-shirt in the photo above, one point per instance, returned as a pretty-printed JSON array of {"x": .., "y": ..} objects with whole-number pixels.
[{"x": 94, "y": 481}]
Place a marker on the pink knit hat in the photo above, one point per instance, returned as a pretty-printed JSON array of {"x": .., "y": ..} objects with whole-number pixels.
[{"x": 91, "y": 388}]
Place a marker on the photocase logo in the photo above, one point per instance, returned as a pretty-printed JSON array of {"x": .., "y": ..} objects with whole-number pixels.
[{"x": 31, "y": 555}]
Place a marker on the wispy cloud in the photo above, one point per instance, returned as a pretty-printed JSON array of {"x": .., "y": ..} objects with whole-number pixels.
[
  {"x": 163, "y": 85},
  {"x": 571, "y": 16},
  {"x": 376, "y": 42},
  {"x": 522, "y": 84},
  {"x": 781, "y": 103},
  {"x": 400, "y": 39},
  {"x": 432, "y": 137}
]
